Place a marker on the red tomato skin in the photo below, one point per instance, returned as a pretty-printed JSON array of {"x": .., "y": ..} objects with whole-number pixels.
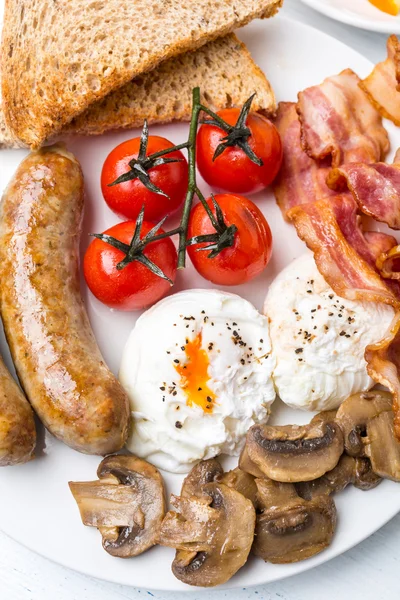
[
  {"x": 134, "y": 287},
  {"x": 126, "y": 199},
  {"x": 233, "y": 171},
  {"x": 252, "y": 248}
]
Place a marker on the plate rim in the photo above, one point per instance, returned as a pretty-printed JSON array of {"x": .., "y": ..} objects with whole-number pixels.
[
  {"x": 307, "y": 564},
  {"x": 359, "y": 23}
]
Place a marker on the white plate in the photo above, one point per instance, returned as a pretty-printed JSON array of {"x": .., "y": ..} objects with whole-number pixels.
[
  {"x": 37, "y": 508},
  {"x": 359, "y": 13}
]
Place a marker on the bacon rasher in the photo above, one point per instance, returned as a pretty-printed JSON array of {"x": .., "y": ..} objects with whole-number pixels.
[
  {"x": 338, "y": 121},
  {"x": 340, "y": 127},
  {"x": 388, "y": 263},
  {"x": 383, "y": 365},
  {"x": 375, "y": 188},
  {"x": 382, "y": 85},
  {"x": 344, "y": 255},
  {"x": 301, "y": 179}
]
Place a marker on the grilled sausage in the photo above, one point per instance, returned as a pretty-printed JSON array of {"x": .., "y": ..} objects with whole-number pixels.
[
  {"x": 17, "y": 425},
  {"x": 52, "y": 344}
]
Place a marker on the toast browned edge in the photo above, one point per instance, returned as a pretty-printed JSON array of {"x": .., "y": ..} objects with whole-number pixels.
[{"x": 26, "y": 126}]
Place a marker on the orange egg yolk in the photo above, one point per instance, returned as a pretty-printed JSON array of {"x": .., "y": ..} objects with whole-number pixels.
[
  {"x": 194, "y": 376},
  {"x": 391, "y": 7}
]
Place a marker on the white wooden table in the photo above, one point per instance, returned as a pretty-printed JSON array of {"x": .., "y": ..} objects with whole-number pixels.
[{"x": 369, "y": 571}]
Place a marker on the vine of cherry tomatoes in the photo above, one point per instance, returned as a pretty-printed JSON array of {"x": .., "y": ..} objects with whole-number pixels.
[{"x": 132, "y": 265}]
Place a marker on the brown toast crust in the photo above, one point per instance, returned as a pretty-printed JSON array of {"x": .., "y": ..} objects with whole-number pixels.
[
  {"x": 58, "y": 58},
  {"x": 224, "y": 70}
]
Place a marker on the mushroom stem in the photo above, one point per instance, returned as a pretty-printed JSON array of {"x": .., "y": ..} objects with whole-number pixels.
[{"x": 126, "y": 504}]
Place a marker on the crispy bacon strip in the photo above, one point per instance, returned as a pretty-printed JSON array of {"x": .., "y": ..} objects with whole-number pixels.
[
  {"x": 379, "y": 244},
  {"x": 346, "y": 258},
  {"x": 382, "y": 85},
  {"x": 338, "y": 121},
  {"x": 340, "y": 127},
  {"x": 383, "y": 365},
  {"x": 388, "y": 263},
  {"x": 343, "y": 254},
  {"x": 375, "y": 188},
  {"x": 301, "y": 180}
]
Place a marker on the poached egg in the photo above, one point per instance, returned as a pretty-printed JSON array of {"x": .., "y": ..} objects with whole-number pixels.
[
  {"x": 198, "y": 371},
  {"x": 319, "y": 338}
]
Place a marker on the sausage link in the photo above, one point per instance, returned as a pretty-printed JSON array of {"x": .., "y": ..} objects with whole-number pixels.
[
  {"x": 52, "y": 344},
  {"x": 17, "y": 425}
]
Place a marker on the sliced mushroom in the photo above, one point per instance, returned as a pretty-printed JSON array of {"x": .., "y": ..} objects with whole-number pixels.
[
  {"x": 127, "y": 504},
  {"x": 204, "y": 472},
  {"x": 354, "y": 415},
  {"x": 212, "y": 532},
  {"x": 211, "y": 470},
  {"x": 242, "y": 482},
  {"x": 365, "y": 477},
  {"x": 292, "y": 453},
  {"x": 326, "y": 416},
  {"x": 382, "y": 447},
  {"x": 367, "y": 422},
  {"x": 349, "y": 470},
  {"x": 290, "y": 528}
]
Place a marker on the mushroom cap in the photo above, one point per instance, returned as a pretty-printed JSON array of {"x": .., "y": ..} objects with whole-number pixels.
[
  {"x": 367, "y": 422},
  {"x": 211, "y": 470},
  {"x": 382, "y": 446},
  {"x": 127, "y": 504},
  {"x": 204, "y": 472},
  {"x": 365, "y": 477},
  {"x": 212, "y": 533},
  {"x": 242, "y": 482},
  {"x": 355, "y": 413},
  {"x": 349, "y": 470},
  {"x": 289, "y": 528},
  {"x": 292, "y": 453},
  {"x": 325, "y": 416}
]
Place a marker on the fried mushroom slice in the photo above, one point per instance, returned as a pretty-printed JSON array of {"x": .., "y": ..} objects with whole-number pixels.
[
  {"x": 382, "y": 446},
  {"x": 354, "y": 415},
  {"x": 349, "y": 470},
  {"x": 127, "y": 504},
  {"x": 204, "y": 472},
  {"x": 211, "y": 470},
  {"x": 326, "y": 416},
  {"x": 242, "y": 482},
  {"x": 292, "y": 453},
  {"x": 212, "y": 534},
  {"x": 365, "y": 478},
  {"x": 290, "y": 528},
  {"x": 367, "y": 422}
]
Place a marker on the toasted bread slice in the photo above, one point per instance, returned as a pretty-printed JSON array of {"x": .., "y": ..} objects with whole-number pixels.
[
  {"x": 6, "y": 138},
  {"x": 60, "y": 57},
  {"x": 223, "y": 69}
]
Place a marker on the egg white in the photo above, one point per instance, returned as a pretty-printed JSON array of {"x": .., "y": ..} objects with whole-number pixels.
[
  {"x": 167, "y": 431},
  {"x": 319, "y": 338}
]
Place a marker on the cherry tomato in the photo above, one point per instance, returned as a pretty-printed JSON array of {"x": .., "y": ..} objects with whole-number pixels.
[
  {"x": 233, "y": 171},
  {"x": 126, "y": 199},
  {"x": 252, "y": 245},
  {"x": 135, "y": 286}
]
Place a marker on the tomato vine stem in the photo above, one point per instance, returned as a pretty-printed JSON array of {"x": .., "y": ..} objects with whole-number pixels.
[
  {"x": 224, "y": 235},
  {"x": 192, "y": 185}
]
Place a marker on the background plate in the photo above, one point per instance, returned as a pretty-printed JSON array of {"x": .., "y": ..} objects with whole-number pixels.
[
  {"x": 37, "y": 508},
  {"x": 359, "y": 13}
]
